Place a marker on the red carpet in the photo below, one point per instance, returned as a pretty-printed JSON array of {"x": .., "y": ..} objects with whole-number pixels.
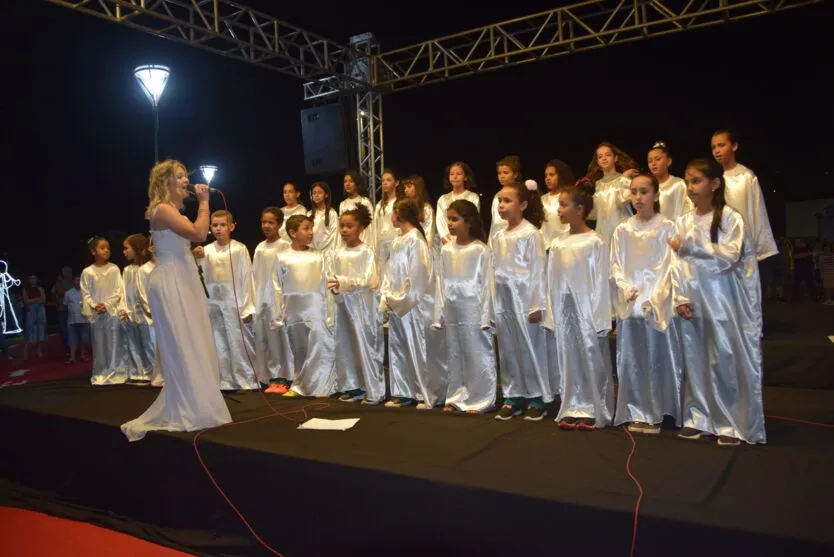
[
  {"x": 31, "y": 534},
  {"x": 34, "y": 370}
]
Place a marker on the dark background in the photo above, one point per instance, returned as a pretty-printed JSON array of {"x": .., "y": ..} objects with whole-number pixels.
[{"x": 79, "y": 133}]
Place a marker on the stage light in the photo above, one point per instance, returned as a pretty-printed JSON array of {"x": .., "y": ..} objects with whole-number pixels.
[
  {"x": 152, "y": 79},
  {"x": 208, "y": 171}
]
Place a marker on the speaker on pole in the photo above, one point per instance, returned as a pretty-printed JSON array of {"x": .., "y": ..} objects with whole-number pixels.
[{"x": 323, "y": 130}]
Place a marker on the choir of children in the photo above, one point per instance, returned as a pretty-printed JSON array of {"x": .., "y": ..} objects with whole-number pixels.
[{"x": 671, "y": 265}]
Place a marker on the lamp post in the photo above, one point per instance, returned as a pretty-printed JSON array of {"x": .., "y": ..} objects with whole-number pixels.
[
  {"x": 152, "y": 79},
  {"x": 208, "y": 170}
]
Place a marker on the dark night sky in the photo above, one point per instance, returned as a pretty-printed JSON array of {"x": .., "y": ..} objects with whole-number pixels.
[{"x": 80, "y": 142}]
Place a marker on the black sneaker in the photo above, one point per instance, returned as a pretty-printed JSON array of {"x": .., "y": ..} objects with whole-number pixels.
[
  {"x": 508, "y": 412},
  {"x": 535, "y": 414}
]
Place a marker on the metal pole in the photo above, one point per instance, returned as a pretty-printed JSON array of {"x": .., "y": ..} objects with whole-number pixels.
[{"x": 155, "y": 134}]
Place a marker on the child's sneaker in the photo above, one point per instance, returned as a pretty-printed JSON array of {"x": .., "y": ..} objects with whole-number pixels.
[
  {"x": 534, "y": 414},
  {"x": 690, "y": 433},
  {"x": 508, "y": 412},
  {"x": 642, "y": 427},
  {"x": 354, "y": 395}
]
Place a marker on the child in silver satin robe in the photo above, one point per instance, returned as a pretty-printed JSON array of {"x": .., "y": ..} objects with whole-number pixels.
[
  {"x": 649, "y": 365},
  {"x": 227, "y": 269},
  {"x": 135, "y": 328},
  {"x": 580, "y": 302},
  {"x": 304, "y": 309},
  {"x": 358, "y": 325}
]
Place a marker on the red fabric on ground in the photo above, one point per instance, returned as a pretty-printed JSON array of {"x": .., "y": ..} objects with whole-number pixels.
[
  {"x": 31, "y": 534},
  {"x": 34, "y": 370}
]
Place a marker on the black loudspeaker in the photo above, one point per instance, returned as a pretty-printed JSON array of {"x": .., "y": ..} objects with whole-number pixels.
[{"x": 323, "y": 133}]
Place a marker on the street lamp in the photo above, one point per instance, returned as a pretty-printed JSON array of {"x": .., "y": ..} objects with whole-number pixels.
[
  {"x": 208, "y": 171},
  {"x": 152, "y": 79}
]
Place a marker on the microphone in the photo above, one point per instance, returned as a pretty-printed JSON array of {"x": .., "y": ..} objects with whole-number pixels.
[{"x": 193, "y": 191}]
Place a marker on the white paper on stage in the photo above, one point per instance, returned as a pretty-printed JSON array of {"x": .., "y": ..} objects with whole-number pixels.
[{"x": 321, "y": 424}]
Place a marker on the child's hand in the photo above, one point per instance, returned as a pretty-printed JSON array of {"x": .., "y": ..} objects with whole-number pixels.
[
  {"x": 198, "y": 252},
  {"x": 631, "y": 173},
  {"x": 333, "y": 284},
  {"x": 632, "y": 295},
  {"x": 247, "y": 319},
  {"x": 444, "y": 241},
  {"x": 685, "y": 311},
  {"x": 535, "y": 317},
  {"x": 123, "y": 316},
  {"x": 100, "y": 308},
  {"x": 674, "y": 243}
]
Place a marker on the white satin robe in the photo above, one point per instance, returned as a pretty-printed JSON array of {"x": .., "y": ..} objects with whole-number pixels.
[
  {"x": 228, "y": 304},
  {"x": 649, "y": 360},
  {"x": 580, "y": 300},
  {"x": 520, "y": 290},
  {"x": 325, "y": 235},
  {"x": 438, "y": 355},
  {"x": 367, "y": 235},
  {"x": 384, "y": 232},
  {"x": 611, "y": 204},
  {"x": 407, "y": 288},
  {"x": 297, "y": 210},
  {"x": 722, "y": 342},
  {"x": 143, "y": 281},
  {"x": 443, "y": 203},
  {"x": 497, "y": 222},
  {"x": 744, "y": 194},
  {"x": 358, "y": 325},
  {"x": 463, "y": 307},
  {"x": 103, "y": 285},
  {"x": 304, "y": 309},
  {"x": 673, "y": 199},
  {"x": 552, "y": 227},
  {"x": 136, "y": 330},
  {"x": 271, "y": 345}
]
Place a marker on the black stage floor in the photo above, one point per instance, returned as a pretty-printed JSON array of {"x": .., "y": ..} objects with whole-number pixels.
[{"x": 409, "y": 482}]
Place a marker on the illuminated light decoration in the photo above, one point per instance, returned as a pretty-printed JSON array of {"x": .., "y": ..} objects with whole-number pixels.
[
  {"x": 7, "y": 281},
  {"x": 208, "y": 171},
  {"x": 152, "y": 79}
]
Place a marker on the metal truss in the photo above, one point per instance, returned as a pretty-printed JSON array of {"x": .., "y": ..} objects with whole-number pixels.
[
  {"x": 580, "y": 26},
  {"x": 231, "y": 30}
]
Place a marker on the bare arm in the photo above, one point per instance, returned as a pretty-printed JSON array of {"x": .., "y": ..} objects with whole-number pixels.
[{"x": 166, "y": 217}]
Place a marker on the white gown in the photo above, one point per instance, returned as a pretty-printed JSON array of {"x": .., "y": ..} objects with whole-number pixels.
[
  {"x": 136, "y": 330},
  {"x": 580, "y": 298},
  {"x": 463, "y": 307},
  {"x": 744, "y": 194},
  {"x": 722, "y": 342},
  {"x": 143, "y": 279},
  {"x": 649, "y": 364},
  {"x": 497, "y": 222},
  {"x": 384, "y": 232},
  {"x": 190, "y": 399},
  {"x": 325, "y": 234},
  {"x": 613, "y": 193},
  {"x": 103, "y": 285},
  {"x": 228, "y": 275},
  {"x": 350, "y": 203},
  {"x": 271, "y": 345},
  {"x": 673, "y": 199},
  {"x": 358, "y": 326},
  {"x": 553, "y": 226}
]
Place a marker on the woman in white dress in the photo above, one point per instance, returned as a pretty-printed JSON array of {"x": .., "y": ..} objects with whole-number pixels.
[{"x": 190, "y": 399}]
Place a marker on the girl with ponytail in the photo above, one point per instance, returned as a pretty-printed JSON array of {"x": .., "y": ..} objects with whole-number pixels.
[{"x": 718, "y": 295}]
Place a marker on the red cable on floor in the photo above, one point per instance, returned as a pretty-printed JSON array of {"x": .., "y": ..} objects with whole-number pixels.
[
  {"x": 639, "y": 489},
  {"x": 798, "y": 421},
  {"x": 274, "y": 412}
]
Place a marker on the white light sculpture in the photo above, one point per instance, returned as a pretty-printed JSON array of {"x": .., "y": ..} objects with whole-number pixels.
[
  {"x": 208, "y": 171},
  {"x": 6, "y": 307}
]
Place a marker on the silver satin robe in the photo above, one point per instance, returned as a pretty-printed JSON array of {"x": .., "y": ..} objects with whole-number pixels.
[
  {"x": 384, "y": 232},
  {"x": 722, "y": 341},
  {"x": 579, "y": 296},
  {"x": 649, "y": 364},
  {"x": 297, "y": 210},
  {"x": 463, "y": 307},
  {"x": 271, "y": 345},
  {"x": 228, "y": 303},
  {"x": 324, "y": 234},
  {"x": 443, "y": 203},
  {"x": 552, "y": 227},
  {"x": 144, "y": 277},
  {"x": 136, "y": 330},
  {"x": 519, "y": 291},
  {"x": 611, "y": 204},
  {"x": 744, "y": 194},
  {"x": 367, "y": 235},
  {"x": 407, "y": 292},
  {"x": 673, "y": 199},
  {"x": 358, "y": 325},
  {"x": 304, "y": 309},
  {"x": 103, "y": 285}
]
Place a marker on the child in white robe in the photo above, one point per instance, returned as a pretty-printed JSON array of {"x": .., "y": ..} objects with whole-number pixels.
[
  {"x": 227, "y": 269},
  {"x": 460, "y": 181},
  {"x": 611, "y": 170},
  {"x": 325, "y": 218},
  {"x": 383, "y": 223},
  {"x": 355, "y": 192},
  {"x": 673, "y": 199},
  {"x": 143, "y": 279},
  {"x": 136, "y": 330},
  {"x": 103, "y": 293}
]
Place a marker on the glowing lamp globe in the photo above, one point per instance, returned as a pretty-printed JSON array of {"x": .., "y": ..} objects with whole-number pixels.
[
  {"x": 208, "y": 172},
  {"x": 152, "y": 79}
]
